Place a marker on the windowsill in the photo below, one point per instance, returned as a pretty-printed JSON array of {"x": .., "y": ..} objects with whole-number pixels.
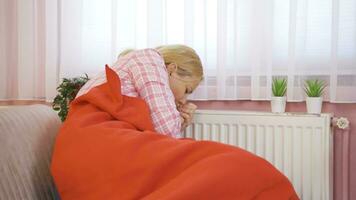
[{"x": 23, "y": 102}]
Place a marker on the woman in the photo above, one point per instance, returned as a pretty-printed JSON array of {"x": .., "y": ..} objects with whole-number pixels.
[
  {"x": 163, "y": 77},
  {"x": 108, "y": 149}
]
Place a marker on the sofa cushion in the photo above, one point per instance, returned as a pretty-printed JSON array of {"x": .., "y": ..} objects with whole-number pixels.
[{"x": 27, "y": 135}]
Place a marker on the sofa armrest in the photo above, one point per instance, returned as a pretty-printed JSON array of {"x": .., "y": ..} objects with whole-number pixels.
[{"x": 27, "y": 135}]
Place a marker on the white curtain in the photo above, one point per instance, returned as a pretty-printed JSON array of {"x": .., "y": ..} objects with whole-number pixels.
[{"x": 243, "y": 43}]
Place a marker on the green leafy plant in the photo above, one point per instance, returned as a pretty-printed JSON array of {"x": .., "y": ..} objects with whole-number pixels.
[
  {"x": 279, "y": 87},
  {"x": 67, "y": 91},
  {"x": 314, "y": 88}
]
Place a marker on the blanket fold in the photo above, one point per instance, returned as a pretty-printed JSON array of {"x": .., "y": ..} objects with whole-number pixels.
[{"x": 107, "y": 149}]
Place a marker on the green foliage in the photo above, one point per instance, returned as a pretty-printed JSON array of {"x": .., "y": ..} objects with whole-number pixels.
[
  {"x": 314, "y": 88},
  {"x": 279, "y": 87},
  {"x": 67, "y": 91}
]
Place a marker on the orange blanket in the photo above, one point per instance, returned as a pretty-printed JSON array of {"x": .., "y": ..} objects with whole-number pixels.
[{"x": 107, "y": 149}]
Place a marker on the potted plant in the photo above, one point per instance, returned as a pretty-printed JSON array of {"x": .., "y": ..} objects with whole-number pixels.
[
  {"x": 67, "y": 91},
  {"x": 278, "y": 100},
  {"x": 314, "y": 90}
]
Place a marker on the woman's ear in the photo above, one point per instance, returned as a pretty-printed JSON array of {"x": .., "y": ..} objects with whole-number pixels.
[{"x": 172, "y": 67}]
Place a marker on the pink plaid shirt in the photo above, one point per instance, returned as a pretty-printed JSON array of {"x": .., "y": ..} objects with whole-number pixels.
[{"x": 143, "y": 74}]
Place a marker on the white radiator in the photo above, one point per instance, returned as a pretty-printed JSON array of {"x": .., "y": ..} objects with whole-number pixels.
[{"x": 299, "y": 145}]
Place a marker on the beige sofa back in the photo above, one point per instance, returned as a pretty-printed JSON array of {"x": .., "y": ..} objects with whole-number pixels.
[{"x": 27, "y": 135}]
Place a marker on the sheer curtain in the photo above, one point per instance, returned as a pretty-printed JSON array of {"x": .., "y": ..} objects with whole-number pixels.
[{"x": 243, "y": 43}]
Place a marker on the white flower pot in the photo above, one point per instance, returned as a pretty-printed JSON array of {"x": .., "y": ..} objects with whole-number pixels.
[
  {"x": 278, "y": 104},
  {"x": 314, "y": 104}
]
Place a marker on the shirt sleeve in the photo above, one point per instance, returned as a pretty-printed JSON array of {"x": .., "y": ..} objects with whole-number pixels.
[{"x": 151, "y": 81}]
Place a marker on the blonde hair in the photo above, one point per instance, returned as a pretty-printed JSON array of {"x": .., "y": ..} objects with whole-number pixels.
[
  {"x": 187, "y": 60},
  {"x": 125, "y": 52}
]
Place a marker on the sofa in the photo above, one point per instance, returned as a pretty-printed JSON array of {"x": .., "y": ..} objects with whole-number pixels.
[{"x": 27, "y": 135}]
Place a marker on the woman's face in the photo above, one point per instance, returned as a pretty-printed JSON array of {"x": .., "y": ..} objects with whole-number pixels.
[{"x": 181, "y": 86}]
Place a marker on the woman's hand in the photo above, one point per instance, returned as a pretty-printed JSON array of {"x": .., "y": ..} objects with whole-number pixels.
[{"x": 186, "y": 112}]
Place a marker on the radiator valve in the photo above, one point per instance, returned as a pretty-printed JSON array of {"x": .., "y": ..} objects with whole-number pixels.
[{"x": 341, "y": 122}]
